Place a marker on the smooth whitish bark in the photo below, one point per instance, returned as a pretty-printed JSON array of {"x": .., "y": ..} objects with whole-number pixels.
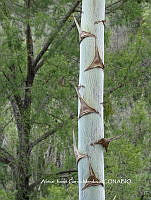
[{"x": 91, "y": 126}]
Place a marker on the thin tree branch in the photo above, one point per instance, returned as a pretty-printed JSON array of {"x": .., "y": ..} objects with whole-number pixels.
[
  {"x": 44, "y": 136},
  {"x": 6, "y": 153},
  {"x": 109, "y": 8},
  {"x": 16, "y": 113},
  {"x": 55, "y": 46},
  {"x": 4, "y": 160},
  {"x": 64, "y": 36},
  {"x": 6, "y": 157},
  {"x": 55, "y": 33},
  {"x": 16, "y": 97},
  {"x": 39, "y": 65},
  {"x": 67, "y": 172},
  {"x": 110, "y": 5},
  {"x": 5, "y": 125},
  {"x": 114, "y": 89}
]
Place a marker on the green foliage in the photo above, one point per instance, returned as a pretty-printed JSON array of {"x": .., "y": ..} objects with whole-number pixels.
[
  {"x": 127, "y": 158},
  {"x": 6, "y": 195},
  {"x": 126, "y": 12},
  {"x": 62, "y": 192},
  {"x": 126, "y": 103}
]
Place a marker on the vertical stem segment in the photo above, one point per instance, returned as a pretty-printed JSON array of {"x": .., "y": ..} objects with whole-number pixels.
[{"x": 91, "y": 126}]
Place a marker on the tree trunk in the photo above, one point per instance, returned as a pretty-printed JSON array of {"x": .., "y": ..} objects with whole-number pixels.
[
  {"x": 23, "y": 156},
  {"x": 90, "y": 107}
]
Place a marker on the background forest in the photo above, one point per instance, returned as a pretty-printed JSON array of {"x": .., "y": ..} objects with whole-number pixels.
[{"x": 42, "y": 103}]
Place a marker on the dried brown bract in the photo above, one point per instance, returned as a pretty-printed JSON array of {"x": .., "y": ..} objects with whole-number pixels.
[
  {"x": 83, "y": 34},
  {"x": 92, "y": 180},
  {"x": 85, "y": 108},
  {"x": 78, "y": 155},
  {"x": 105, "y": 141},
  {"x": 97, "y": 61},
  {"x": 100, "y": 21}
]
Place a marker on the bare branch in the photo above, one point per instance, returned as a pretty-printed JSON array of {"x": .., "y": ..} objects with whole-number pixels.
[
  {"x": 55, "y": 33},
  {"x": 5, "y": 125},
  {"x": 55, "y": 46},
  {"x": 6, "y": 157},
  {"x": 4, "y": 151},
  {"x": 16, "y": 97},
  {"x": 4, "y": 160},
  {"x": 17, "y": 114},
  {"x": 110, "y": 5},
  {"x": 39, "y": 65},
  {"x": 118, "y": 4},
  {"x": 67, "y": 172},
  {"x": 114, "y": 89},
  {"x": 44, "y": 136}
]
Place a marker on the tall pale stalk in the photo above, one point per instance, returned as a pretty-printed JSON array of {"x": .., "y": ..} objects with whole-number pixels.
[{"x": 90, "y": 107}]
